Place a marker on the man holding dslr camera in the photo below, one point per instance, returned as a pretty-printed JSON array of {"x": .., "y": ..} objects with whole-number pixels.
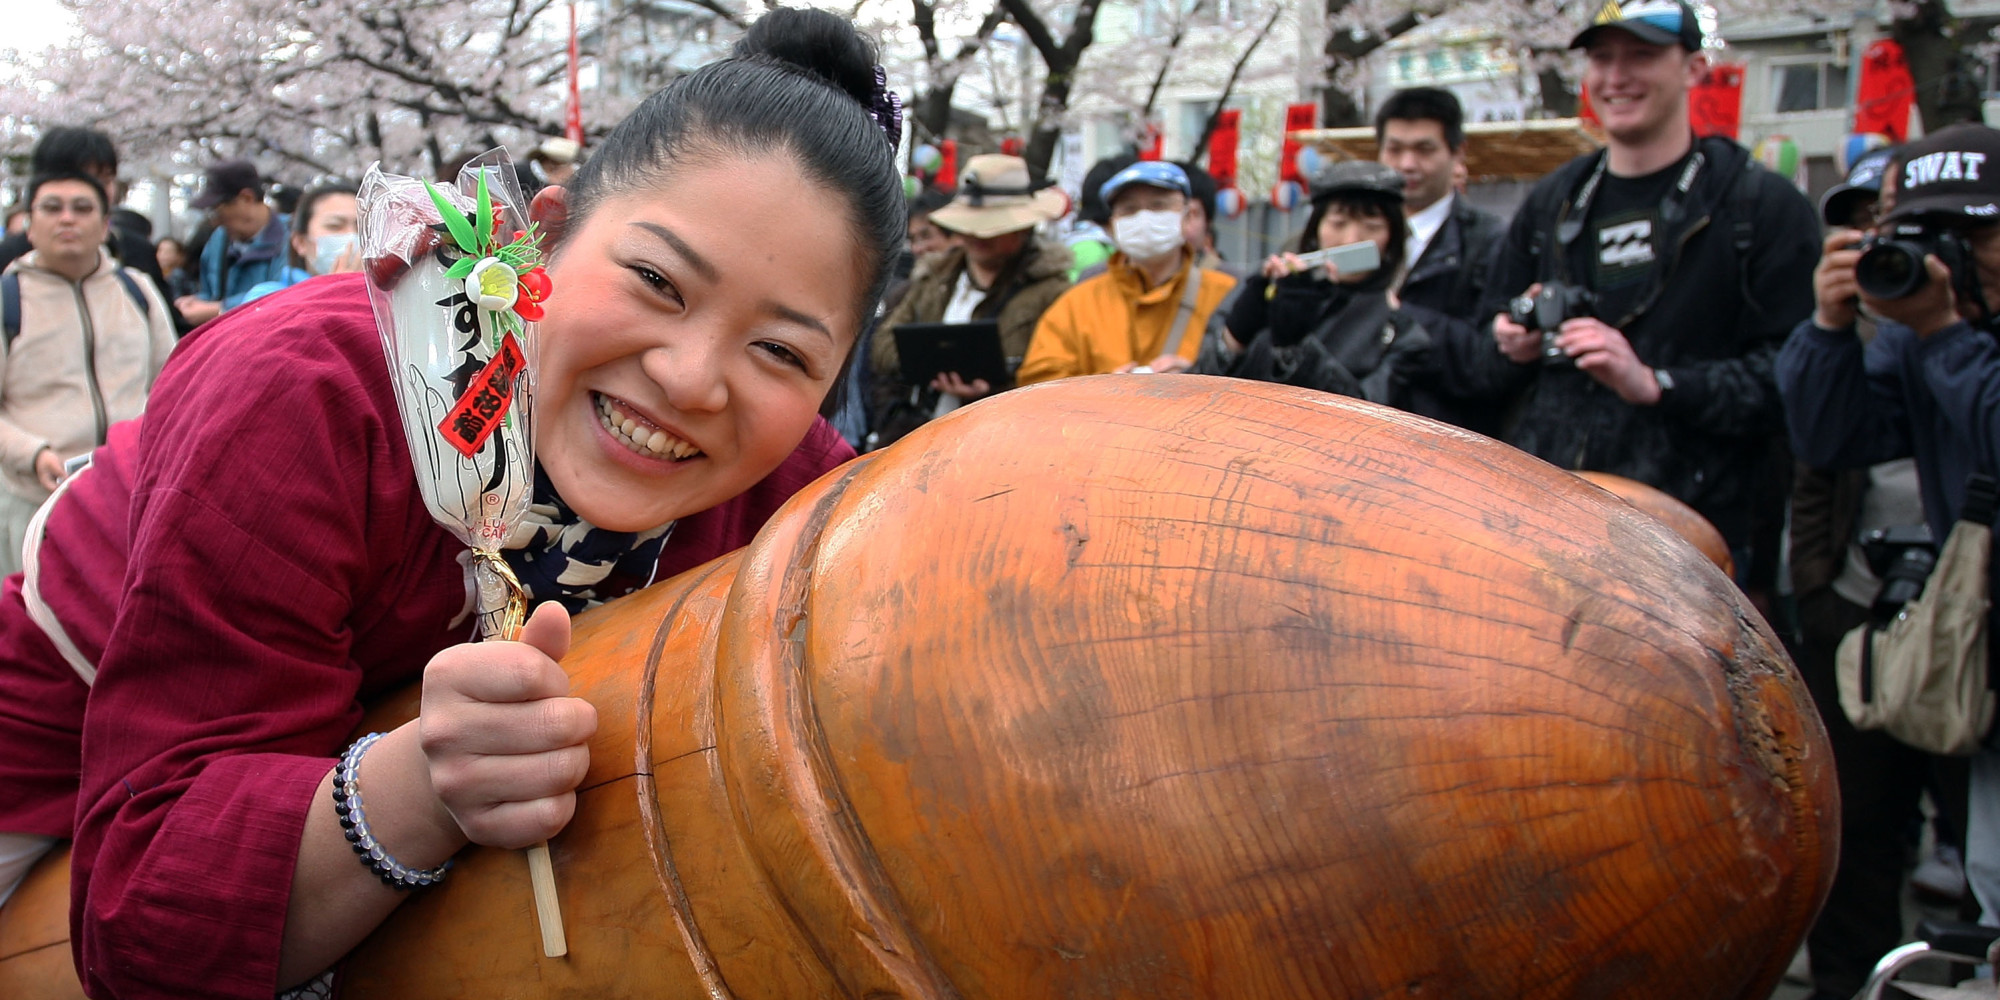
[
  {"x": 1660, "y": 276},
  {"x": 1928, "y": 384}
]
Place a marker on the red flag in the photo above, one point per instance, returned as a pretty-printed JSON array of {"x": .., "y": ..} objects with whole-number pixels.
[
  {"x": 1882, "y": 100},
  {"x": 1297, "y": 117},
  {"x": 1715, "y": 105},
  {"x": 1222, "y": 148},
  {"x": 1583, "y": 108},
  {"x": 573, "y": 120}
]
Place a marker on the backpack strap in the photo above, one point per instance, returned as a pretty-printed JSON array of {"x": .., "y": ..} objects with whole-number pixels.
[
  {"x": 1185, "y": 314},
  {"x": 10, "y": 308},
  {"x": 132, "y": 289},
  {"x": 1742, "y": 229}
]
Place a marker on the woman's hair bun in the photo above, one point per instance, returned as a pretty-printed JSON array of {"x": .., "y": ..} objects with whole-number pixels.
[{"x": 818, "y": 42}]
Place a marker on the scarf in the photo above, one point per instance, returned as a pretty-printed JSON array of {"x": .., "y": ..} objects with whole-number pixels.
[{"x": 561, "y": 557}]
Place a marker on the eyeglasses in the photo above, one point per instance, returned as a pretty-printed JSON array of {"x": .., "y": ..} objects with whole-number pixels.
[{"x": 81, "y": 207}]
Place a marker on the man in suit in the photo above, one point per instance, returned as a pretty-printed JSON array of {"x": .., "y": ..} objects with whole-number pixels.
[{"x": 1421, "y": 133}]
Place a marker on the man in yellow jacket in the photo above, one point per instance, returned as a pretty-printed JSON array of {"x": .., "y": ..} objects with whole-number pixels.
[{"x": 1148, "y": 311}]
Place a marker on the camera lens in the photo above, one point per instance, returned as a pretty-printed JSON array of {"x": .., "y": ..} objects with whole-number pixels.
[{"x": 1891, "y": 269}]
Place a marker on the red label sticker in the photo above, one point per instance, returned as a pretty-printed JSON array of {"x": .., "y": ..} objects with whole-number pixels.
[{"x": 477, "y": 414}]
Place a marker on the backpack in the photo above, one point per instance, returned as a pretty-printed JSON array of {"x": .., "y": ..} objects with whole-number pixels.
[
  {"x": 1922, "y": 676},
  {"x": 10, "y": 303}
]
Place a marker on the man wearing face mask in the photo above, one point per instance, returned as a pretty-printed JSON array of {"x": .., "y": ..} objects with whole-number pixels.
[{"x": 1148, "y": 310}]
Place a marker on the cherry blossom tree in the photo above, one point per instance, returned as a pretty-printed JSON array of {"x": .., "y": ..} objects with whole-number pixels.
[{"x": 304, "y": 86}]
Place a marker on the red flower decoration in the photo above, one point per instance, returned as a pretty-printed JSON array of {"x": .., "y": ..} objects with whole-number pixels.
[{"x": 535, "y": 286}]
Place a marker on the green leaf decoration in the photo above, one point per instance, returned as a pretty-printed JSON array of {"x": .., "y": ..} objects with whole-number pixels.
[
  {"x": 485, "y": 209},
  {"x": 463, "y": 269},
  {"x": 454, "y": 220}
]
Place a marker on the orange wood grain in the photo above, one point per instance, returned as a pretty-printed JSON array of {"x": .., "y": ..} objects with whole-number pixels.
[
  {"x": 1683, "y": 519},
  {"x": 1161, "y": 686}
]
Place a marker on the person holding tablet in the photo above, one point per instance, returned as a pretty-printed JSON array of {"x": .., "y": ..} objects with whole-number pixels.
[{"x": 996, "y": 269}]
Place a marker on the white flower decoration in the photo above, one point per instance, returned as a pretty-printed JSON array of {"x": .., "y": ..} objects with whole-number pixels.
[{"x": 492, "y": 284}]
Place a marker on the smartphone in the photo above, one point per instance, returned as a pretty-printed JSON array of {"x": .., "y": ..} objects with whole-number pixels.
[{"x": 1354, "y": 258}]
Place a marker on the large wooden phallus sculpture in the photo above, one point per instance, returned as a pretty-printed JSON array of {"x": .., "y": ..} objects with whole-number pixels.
[{"x": 1159, "y": 686}]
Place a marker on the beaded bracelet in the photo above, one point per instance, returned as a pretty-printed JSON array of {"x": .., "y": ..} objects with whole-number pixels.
[{"x": 354, "y": 824}]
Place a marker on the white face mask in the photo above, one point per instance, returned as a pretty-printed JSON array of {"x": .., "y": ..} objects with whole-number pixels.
[
  {"x": 1147, "y": 235},
  {"x": 327, "y": 249}
]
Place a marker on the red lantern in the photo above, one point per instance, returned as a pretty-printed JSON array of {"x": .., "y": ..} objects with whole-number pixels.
[
  {"x": 1882, "y": 100},
  {"x": 947, "y": 175},
  {"x": 1155, "y": 142},
  {"x": 1715, "y": 105},
  {"x": 1297, "y": 117},
  {"x": 1222, "y": 147}
]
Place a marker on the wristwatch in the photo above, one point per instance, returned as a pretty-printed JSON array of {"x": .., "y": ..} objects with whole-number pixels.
[{"x": 1666, "y": 382}]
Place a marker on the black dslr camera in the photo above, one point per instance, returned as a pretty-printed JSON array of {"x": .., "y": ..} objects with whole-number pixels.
[
  {"x": 1892, "y": 259},
  {"x": 1902, "y": 558},
  {"x": 1546, "y": 310}
]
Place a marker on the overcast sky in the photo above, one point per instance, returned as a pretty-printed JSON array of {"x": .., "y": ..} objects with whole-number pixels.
[{"x": 35, "y": 24}]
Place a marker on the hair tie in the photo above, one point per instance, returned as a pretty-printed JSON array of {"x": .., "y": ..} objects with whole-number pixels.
[{"x": 887, "y": 109}]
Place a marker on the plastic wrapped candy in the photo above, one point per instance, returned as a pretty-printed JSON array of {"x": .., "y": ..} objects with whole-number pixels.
[{"x": 454, "y": 274}]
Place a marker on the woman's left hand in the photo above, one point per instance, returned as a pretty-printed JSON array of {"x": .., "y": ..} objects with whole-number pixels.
[{"x": 1168, "y": 364}]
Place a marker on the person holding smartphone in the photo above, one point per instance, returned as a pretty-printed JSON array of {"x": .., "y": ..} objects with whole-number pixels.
[{"x": 1320, "y": 325}]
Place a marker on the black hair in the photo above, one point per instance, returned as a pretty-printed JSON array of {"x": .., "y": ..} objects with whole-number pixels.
[
  {"x": 1425, "y": 104},
  {"x": 308, "y": 203},
  {"x": 800, "y": 82},
  {"x": 35, "y": 187},
  {"x": 1367, "y": 206},
  {"x": 1091, "y": 207},
  {"x": 68, "y": 150},
  {"x": 1203, "y": 184}
]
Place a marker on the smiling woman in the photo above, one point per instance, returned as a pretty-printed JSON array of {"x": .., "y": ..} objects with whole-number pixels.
[{"x": 226, "y": 594}]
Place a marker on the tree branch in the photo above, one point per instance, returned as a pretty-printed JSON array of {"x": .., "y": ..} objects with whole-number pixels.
[
  {"x": 1167, "y": 60},
  {"x": 1200, "y": 151}
]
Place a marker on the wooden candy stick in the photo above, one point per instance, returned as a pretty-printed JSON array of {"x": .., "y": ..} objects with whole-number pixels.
[{"x": 513, "y": 612}]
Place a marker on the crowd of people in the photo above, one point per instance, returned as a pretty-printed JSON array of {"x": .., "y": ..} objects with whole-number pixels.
[{"x": 1662, "y": 309}]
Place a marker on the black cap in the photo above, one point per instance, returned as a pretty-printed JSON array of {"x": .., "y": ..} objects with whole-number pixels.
[
  {"x": 1953, "y": 172},
  {"x": 1863, "y": 184},
  {"x": 1357, "y": 177},
  {"x": 1656, "y": 22},
  {"x": 223, "y": 181}
]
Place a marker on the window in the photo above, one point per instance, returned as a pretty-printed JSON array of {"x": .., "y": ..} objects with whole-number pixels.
[
  {"x": 1468, "y": 59},
  {"x": 1194, "y": 117},
  {"x": 1809, "y": 86},
  {"x": 1406, "y": 66},
  {"x": 1439, "y": 62}
]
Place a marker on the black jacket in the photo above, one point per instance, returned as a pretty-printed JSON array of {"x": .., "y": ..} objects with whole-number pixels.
[
  {"x": 1452, "y": 275},
  {"x": 1444, "y": 291},
  {"x": 1306, "y": 331},
  {"x": 1715, "y": 328}
]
